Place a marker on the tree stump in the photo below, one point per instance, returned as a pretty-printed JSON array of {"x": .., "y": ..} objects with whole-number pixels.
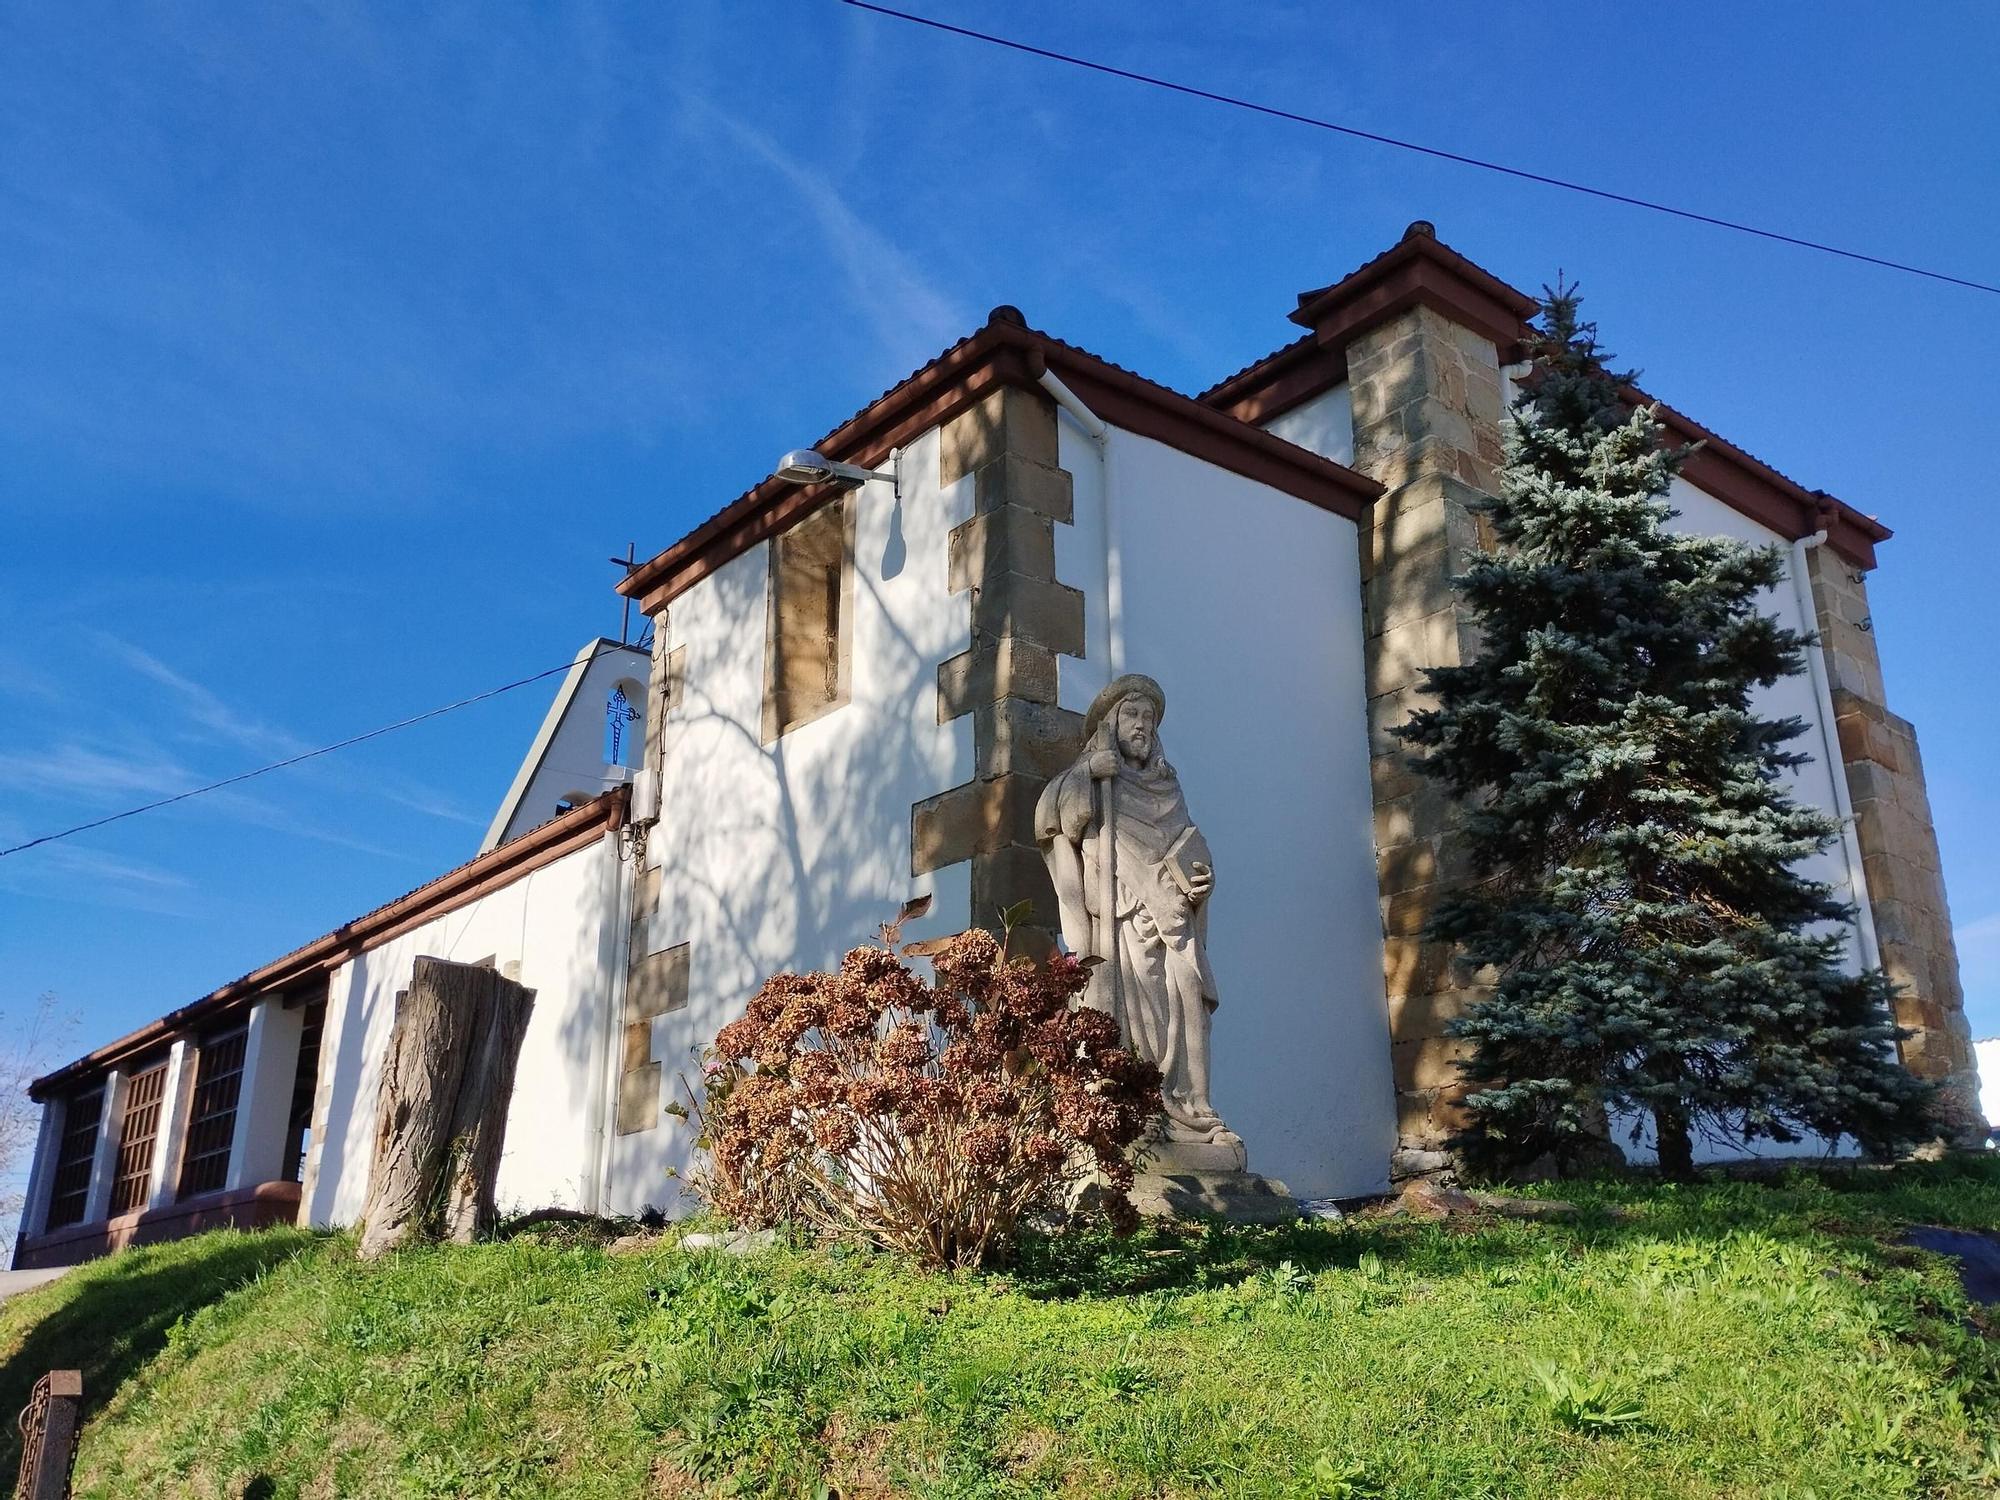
[{"x": 441, "y": 1119}]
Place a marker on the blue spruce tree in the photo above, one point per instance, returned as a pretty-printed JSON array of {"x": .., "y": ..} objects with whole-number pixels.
[{"x": 1656, "y": 952}]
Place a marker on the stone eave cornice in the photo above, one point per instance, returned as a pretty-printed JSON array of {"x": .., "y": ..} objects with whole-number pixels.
[{"x": 1003, "y": 352}]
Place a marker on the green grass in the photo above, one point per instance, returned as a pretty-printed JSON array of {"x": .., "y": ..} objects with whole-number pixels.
[{"x": 1721, "y": 1340}]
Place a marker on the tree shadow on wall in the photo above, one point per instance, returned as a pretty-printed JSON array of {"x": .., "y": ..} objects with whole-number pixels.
[
  {"x": 787, "y": 853},
  {"x": 115, "y": 1314}
]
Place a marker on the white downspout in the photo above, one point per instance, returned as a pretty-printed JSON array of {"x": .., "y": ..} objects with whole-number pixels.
[
  {"x": 622, "y": 875},
  {"x": 1850, "y": 841},
  {"x": 1099, "y": 434}
]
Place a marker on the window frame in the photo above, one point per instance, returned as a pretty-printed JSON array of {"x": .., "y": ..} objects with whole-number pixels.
[
  {"x": 779, "y": 718},
  {"x": 141, "y": 1119},
  {"x": 208, "y": 1120},
  {"x": 68, "y": 1163}
]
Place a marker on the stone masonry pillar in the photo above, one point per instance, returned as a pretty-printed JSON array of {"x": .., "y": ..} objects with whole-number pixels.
[
  {"x": 1427, "y": 424},
  {"x": 1003, "y": 559},
  {"x": 1899, "y": 849}
]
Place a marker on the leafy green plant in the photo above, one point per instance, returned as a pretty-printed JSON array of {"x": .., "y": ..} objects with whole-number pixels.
[
  {"x": 1125, "y": 1377},
  {"x": 1286, "y": 1280},
  {"x": 1341, "y": 1477},
  {"x": 1589, "y": 1403}
]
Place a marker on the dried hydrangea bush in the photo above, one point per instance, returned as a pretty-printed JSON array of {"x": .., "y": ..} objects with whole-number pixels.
[{"x": 927, "y": 1117}]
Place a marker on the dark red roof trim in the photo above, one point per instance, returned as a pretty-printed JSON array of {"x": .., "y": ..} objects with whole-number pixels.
[
  {"x": 1421, "y": 270},
  {"x": 1004, "y": 352},
  {"x": 562, "y": 835}
]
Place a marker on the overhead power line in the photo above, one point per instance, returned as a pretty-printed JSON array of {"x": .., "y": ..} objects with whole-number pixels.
[
  {"x": 293, "y": 760},
  {"x": 1401, "y": 145}
]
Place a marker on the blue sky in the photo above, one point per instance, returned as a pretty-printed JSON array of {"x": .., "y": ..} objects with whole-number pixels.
[{"x": 339, "y": 346}]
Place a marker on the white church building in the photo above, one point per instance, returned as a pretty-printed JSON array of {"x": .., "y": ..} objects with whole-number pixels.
[{"x": 863, "y": 672}]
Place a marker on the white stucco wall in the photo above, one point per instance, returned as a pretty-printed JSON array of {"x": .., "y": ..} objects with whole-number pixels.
[
  {"x": 559, "y": 925},
  {"x": 785, "y": 856},
  {"x": 1701, "y": 514},
  {"x": 567, "y": 757},
  {"x": 1323, "y": 425},
  {"x": 1245, "y": 604}
]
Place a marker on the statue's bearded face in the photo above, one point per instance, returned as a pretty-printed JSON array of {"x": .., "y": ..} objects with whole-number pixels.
[{"x": 1137, "y": 722}]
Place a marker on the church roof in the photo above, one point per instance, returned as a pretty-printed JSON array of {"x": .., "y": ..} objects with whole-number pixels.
[
  {"x": 499, "y": 867},
  {"x": 1420, "y": 269},
  {"x": 1006, "y": 351}
]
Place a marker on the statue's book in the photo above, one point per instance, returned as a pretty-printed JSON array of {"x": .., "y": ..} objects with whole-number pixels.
[{"x": 1189, "y": 854}]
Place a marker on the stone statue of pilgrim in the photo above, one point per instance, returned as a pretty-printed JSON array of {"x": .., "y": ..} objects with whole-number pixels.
[{"x": 1132, "y": 874}]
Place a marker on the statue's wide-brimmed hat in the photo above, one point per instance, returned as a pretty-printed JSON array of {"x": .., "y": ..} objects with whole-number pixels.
[{"x": 1130, "y": 685}]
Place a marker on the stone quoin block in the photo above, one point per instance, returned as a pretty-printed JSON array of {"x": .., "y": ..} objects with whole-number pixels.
[
  {"x": 676, "y": 679},
  {"x": 999, "y": 542},
  {"x": 976, "y": 818},
  {"x": 1007, "y": 423},
  {"x": 1017, "y": 735},
  {"x": 1006, "y": 876},
  {"x": 1023, "y": 484},
  {"x": 1429, "y": 1062},
  {"x": 995, "y": 668},
  {"x": 639, "y": 1099},
  {"x": 1405, "y": 652},
  {"x": 658, "y": 984},
  {"x": 1414, "y": 971},
  {"x": 1044, "y": 613},
  {"x": 638, "y": 1046},
  {"x": 1407, "y": 867}
]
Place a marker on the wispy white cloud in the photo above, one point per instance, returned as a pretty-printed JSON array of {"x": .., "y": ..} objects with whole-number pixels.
[
  {"x": 202, "y": 707},
  {"x": 217, "y": 720},
  {"x": 911, "y": 316},
  {"x": 70, "y": 769},
  {"x": 101, "y": 866},
  {"x": 1978, "y": 933},
  {"x": 81, "y": 782},
  {"x": 307, "y": 331},
  {"x": 89, "y": 877}
]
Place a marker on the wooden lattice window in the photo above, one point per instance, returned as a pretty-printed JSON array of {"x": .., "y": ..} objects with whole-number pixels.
[
  {"x": 218, "y": 1080},
  {"x": 305, "y": 1086},
  {"x": 805, "y": 670},
  {"x": 145, "y": 1093},
  {"x": 69, "y": 1184}
]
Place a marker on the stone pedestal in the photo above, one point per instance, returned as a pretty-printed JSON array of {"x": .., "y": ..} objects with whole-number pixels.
[
  {"x": 1207, "y": 1179},
  {"x": 1169, "y": 1158},
  {"x": 1238, "y": 1197}
]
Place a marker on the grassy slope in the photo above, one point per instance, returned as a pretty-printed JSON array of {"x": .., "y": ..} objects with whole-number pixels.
[{"x": 1763, "y": 1340}]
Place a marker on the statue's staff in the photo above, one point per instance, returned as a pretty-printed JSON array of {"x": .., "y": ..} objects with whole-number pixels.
[{"x": 1106, "y": 937}]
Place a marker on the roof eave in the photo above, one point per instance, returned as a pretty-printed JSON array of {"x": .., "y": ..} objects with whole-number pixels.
[
  {"x": 1005, "y": 352},
  {"x": 509, "y": 862},
  {"x": 1420, "y": 270}
]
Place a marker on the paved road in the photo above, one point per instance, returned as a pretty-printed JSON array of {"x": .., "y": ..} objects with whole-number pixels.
[
  {"x": 21, "y": 1281},
  {"x": 1977, "y": 1254}
]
